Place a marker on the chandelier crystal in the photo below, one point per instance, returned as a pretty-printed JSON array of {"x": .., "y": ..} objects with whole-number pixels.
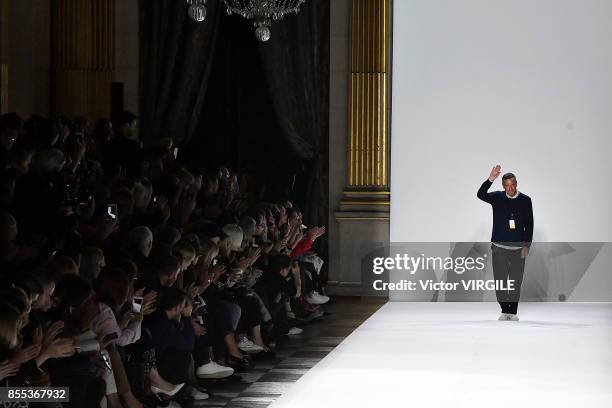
[
  {"x": 197, "y": 10},
  {"x": 262, "y": 12}
]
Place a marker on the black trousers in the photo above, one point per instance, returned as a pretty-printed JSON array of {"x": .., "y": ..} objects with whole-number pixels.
[
  {"x": 280, "y": 323},
  {"x": 309, "y": 278},
  {"x": 508, "y": 265},
  {"x": 250, "y": 315},
  {"x": 173, "y": 365}
]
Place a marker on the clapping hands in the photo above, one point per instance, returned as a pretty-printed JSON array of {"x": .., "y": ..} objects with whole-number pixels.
[{"x": 315, "y": 232}]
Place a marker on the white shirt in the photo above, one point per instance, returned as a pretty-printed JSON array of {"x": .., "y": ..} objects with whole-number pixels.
[{"x": 514, "y": 196}]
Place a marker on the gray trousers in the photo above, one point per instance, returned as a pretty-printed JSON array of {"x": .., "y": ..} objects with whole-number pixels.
[{"x": 508, "y": 265}]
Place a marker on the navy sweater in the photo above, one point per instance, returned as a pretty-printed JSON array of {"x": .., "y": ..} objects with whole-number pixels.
[
  {"x": 504, "y": 209},
  {"x": 170, "y": 334}
]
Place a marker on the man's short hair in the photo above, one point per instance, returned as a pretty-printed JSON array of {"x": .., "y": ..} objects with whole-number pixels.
[{"x": 508, "y": 176}]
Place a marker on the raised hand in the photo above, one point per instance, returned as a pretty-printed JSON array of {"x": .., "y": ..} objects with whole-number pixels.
[
  {"x": 315, "y": 233},
  {"x": 125, "y": 319},
  {"x": 148, "y": 303},
  {"x": 236, "y": 274},
  {"x": 52, "y": 332},
  {"x": 198, "y": 328},
  {"x": 194, "y": 290},
  {"x": 217, "y": 271},
  {"x": 242, "y": 263},
  {"x": 495, "y": 171},
  {"x": 282, "y": 239}
]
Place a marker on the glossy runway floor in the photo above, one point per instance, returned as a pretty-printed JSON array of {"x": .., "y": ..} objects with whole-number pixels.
[{"x": 459, "y": 355}]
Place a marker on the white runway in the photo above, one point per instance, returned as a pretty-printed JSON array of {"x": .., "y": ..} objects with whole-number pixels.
[{"x": 458, "y": 355}]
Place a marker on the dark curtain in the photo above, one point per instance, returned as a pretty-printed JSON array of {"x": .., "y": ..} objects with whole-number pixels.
[
  {"x": 176, "y": 56},
  {"x": 262, "y": 108},
  {"x": 238, "y": 127},
  {"x": 296, "y": 63}
]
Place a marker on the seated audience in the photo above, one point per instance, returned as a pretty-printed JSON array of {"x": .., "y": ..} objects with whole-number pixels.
[{"x": 135, "y": 279}]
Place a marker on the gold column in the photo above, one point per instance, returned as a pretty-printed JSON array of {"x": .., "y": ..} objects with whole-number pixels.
[
  {"x": 4, "y": 23},
  {"x": 368, "y": 144},
  {"x": 83, "y": 57}
]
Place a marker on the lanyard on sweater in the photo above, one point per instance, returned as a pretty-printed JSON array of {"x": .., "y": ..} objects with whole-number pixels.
[{"x": 510, "y": 217}]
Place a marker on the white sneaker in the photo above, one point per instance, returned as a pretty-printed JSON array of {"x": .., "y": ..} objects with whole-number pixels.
[
  {"x": 294, "y": 330},
  {"x": 503, "y": 316},
  {"x": 213, "y": 370},
  {"x": 315, "y": 298},
  {"x": 513, "y": 317},
  {"x": 198, "y": 395},
  {"x": 248, "y": 346}
]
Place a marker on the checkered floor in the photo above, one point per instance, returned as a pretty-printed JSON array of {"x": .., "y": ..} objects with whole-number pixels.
[{"x": 268, "y": 379}]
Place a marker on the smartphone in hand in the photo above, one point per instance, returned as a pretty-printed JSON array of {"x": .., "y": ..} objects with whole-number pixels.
[{"x": 137, "y": 304}]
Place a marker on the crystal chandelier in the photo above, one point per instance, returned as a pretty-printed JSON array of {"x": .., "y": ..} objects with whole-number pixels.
[
  {"x": 197, "y": 10},
  {"x": 262, "y": 12}
]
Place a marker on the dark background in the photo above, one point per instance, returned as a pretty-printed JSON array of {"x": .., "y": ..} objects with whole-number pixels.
[{"x": 226, "y": 98}]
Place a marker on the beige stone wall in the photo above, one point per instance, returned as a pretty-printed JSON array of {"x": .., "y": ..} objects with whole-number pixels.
[
  {"x": 359, "y": 207},
  {"x": 340, "y": 36}
]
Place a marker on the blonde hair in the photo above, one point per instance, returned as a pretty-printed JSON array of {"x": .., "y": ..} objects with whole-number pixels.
[
  {"x": 10, "y": 324},
  {"x": 185, "y": 250},
  {"x": 208, "y": 251}
]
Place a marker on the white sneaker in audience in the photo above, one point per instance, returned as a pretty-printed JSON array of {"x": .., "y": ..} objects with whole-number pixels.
[
  {"x": 248, "y": 346},
  {"x": 294, "y": 330},
  {"x": 503, "y": 316},
  {"x": 315, "y": 298},
  {"x": 213, "y": 370},
  {"x": 198, "y": 395},
  {"x": 318, "y": 313},
  {"x": 513, "y": 317}
]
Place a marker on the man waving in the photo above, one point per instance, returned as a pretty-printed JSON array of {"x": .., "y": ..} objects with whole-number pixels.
[{"x": 511, "y": 237}]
